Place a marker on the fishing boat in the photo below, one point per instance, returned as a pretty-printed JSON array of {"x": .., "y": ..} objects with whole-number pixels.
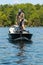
[{"x": 16, "y": 34}]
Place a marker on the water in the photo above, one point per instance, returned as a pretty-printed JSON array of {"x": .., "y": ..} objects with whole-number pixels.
[{"x": 22, "y": 53}]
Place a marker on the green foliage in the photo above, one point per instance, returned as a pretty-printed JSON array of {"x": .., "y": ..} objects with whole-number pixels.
[
  {"x": 33, "y": 14},
  {"x": 38, "y": 7}
]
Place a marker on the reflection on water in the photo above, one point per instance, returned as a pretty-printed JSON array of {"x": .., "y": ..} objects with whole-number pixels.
[{"x": 21, "y": 53}]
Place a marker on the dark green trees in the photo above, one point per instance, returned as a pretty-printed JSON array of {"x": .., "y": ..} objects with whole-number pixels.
[{"x": 33, "y": 14}]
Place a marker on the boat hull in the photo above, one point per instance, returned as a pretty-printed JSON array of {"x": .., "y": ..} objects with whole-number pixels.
[{"x": 20, "y": 36}]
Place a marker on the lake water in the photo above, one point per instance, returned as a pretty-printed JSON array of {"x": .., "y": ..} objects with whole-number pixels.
[{"x": 21, "y": 53}]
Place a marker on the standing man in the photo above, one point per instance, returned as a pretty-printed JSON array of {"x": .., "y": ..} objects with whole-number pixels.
[{"x": 20, "y": 19}]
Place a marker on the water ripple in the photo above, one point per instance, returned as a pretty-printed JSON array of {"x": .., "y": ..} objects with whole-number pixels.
[{"x": 22, "y": 53}]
